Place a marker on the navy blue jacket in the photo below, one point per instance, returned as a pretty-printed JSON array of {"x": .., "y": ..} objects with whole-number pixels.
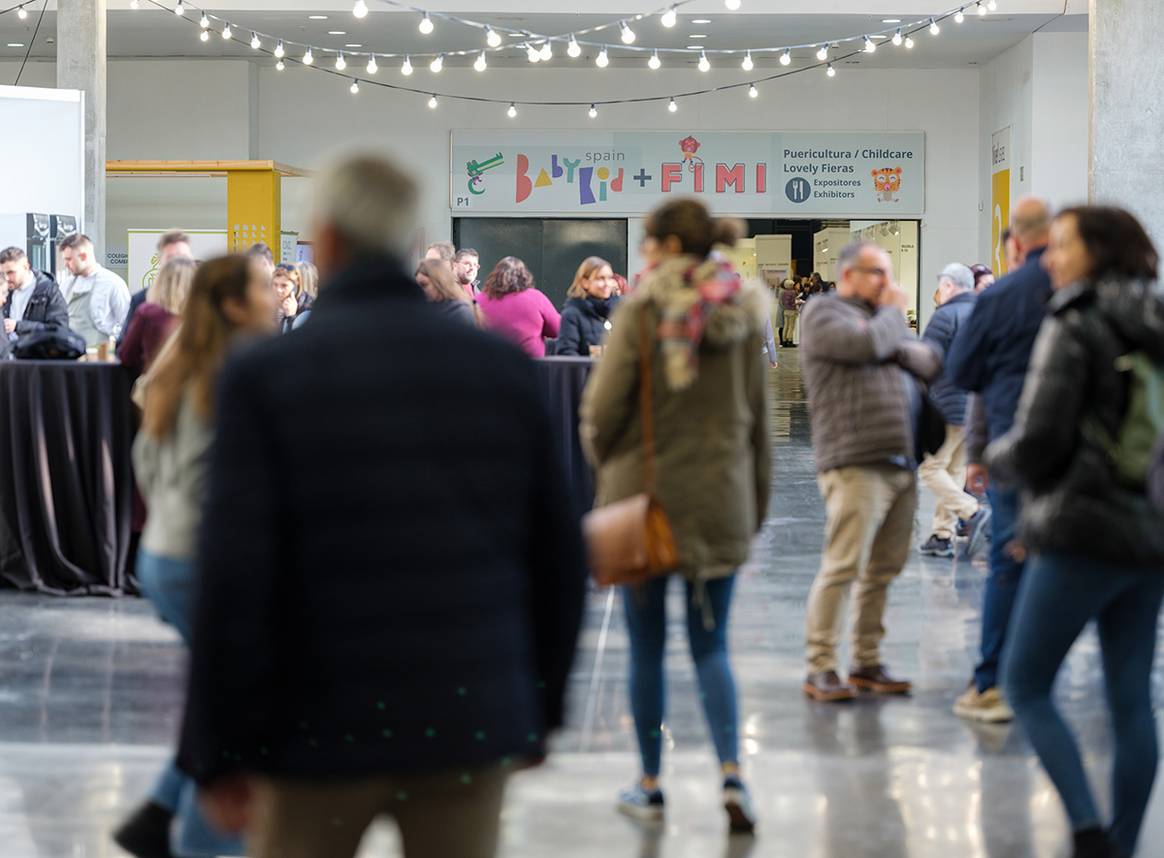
[
  {"x": 940, "y": 333},
  {"x": 379, "y": 595},
  {"x": 584, "y": 324},
  {"x": 992, "y": 350}
]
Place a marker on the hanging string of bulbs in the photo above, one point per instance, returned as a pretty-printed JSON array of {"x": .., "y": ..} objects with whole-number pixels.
[{"x": 827, "y": 52}]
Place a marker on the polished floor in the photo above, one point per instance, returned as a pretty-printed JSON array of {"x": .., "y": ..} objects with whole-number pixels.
[{"x": 89, "y": 695}]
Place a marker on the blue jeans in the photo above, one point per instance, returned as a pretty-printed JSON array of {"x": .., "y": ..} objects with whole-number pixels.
[
  {"x": 1002, "y": 585},
  {"x": 1059, "y": 596},
  {"x": 646, "y": 619},
  {"x": 170, "y": 586}
]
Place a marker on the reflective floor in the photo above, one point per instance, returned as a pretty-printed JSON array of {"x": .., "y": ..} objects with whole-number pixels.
[{"x": 89, "y": 695}]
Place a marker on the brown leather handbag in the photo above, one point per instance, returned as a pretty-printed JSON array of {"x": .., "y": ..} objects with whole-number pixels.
[{"x": 630, "y": 541}]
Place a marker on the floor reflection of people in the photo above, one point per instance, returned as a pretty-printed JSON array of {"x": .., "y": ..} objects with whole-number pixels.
[{"x": 653, "y": 834}]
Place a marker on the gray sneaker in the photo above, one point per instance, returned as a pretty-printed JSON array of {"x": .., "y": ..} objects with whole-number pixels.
[{"x": 977, "y": 528}]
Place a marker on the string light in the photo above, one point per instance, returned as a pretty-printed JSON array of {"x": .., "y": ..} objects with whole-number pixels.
[
  {"x": 786, "y": 58},
  {"x": 21, "y": 13},
  {"x": 512, "y": 112},
  {"x": 179, "y": 9},
  {"x": 654, "y": 63},
  {"x": 279, "y": 66},
  {"x": 437, "y": 64},
  {"x": 134, "y": 4},
  {"x": 934, "y": 28},
  {"x": 480, "y": 64},
  {"x": 547, "y": 52},
  {"x": 909, "y": 43},
  {"x": 830, "y": 71},
  {"x": 897, "y": 38},
  {"x": 704, "y": 62},
  {"x": 992, "y": 5},
  {"x": 340, "y": 62},
  {"x": 753, "y": 92},
  {"x": 981, "y": 10},
  {"x": 432, "y": 102},
  {"x": 532, "y": 54},
  {"x": 205, "y": 36},
  {"x": 256, "y": 42},
  {"x": 732, "y": 5},
  {"x": 492, "y": 39},
  {"x": 626, "y": 33},
  {"x": 574, "y": 49},
  {"x": 602, "y": 60},
  {"x": 425, "y": 26},
  {"x": 669, "y": 18},
  {"x": 279, "y": 51},
  {"x": 372, "y": 66},
  {"x": 360, "y": 10},
  {"x": 406, "y": 66},
  {"x": 204, "y": 22},
  {"x": 959, "y": 17},
  {"x": 592, "y": 112},
  {"x": 227, "y": 32},
  {"x": 354, "y": 89},
  {"x": 308, "y": 57},
  {"x": 870, "y": 45},
  {"x": 672, "y": 106},
  {"x": 747, "y": 64},
  {"x": 822, "y": 53}
]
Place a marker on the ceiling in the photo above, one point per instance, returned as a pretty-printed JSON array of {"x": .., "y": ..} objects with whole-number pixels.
[{"x": 150, "y": 32}]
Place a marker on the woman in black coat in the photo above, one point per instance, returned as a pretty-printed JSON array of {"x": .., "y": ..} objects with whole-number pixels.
[
  {"x": 1096, "y": 542},
  {"x": 589, "y": 306}
]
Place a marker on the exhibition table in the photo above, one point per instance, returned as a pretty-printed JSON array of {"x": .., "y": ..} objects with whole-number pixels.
[
  {"x": 65, "y": 476},
  {"x": 563, "y": 379}
]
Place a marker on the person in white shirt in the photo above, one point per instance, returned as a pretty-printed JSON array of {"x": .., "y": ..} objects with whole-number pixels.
[{"x": 98, "y": 299}]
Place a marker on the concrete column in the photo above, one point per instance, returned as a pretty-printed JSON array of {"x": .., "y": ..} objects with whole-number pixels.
[
  {"x": 81, "y": 65},
  {"x": 1126, "y": 94}
]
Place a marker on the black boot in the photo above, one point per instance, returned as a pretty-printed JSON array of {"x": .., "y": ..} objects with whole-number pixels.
[
  {"x": 1093, "y": 843},
  {"x": 146, "y": 833}
]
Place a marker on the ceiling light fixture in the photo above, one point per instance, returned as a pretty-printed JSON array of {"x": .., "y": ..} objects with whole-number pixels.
[
  {"x": 672, "y": 106},
  {"x": 574, "y": 49},
  {"x": 480, "y": 63},
  {"x": 340, "y": 62},
  {"x": 425, "y": 26},
  {"x": 372, "y": 66},
  {"x": 227, "y": 32},
  {"x": 626, "y": 33},
  {"x": 406, "y": 67},
  {"x": 747, "y": 64},
  {"x": 669, "y": 18},
  {"x": 308, "y": 57},
  {"x": 512, "y": 112},
  {"x": 437, "y": 64},
  {"x": 654, "y": 63},
  {"x": 704, "y": 63},
  {"x": 753, "y": 92},
  {"x": 492, "y": 38},
  {"x": 786, "y": 58},
  {"x": 603, "y": 59},
  {"x": 360, "y": 10},
  {"x": 354, "y": 89},
  {"x": 592, "y": 112},
  {"x": 432, "y": 102}
]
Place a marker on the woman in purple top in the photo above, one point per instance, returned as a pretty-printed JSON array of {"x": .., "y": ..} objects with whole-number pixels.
[{"x": 512, "y": 306}]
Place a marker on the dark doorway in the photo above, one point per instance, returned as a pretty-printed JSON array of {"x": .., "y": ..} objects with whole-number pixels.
[{"x": 551, "y": 248}]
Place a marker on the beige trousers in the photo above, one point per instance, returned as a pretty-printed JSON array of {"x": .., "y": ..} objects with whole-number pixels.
[
  {"x": 868, "y": 533},
  {"x": 790, "y": 325},
  {"x": 944, "y": 474},
  {"x": 453, "y": 815}
]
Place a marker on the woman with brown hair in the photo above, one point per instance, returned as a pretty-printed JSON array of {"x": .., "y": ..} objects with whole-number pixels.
[
  {"x": 701, "y": 326},
  {"x": 288, "y": 291},
  {"x": 229, "y": 301},
  {"x": 590, "y": 301},
  {"x": 515, "y": 309},
  {"x": 156, "y": 319},
  {"x": 1080, "y": 448},
  {"x": 442, "y": 291}
]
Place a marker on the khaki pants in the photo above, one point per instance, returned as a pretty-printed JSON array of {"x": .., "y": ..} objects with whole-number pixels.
[
  {"x": 944, "y": 474},
  {"x": 452, "y": 815},
  {"x": 790, "y": 325},
  {"x": 868, "y": 533}
]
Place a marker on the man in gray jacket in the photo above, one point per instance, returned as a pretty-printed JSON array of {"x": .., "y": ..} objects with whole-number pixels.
[{"x": 861, "y": 366}]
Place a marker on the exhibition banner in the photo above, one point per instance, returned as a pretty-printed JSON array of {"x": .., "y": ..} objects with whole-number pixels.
[
  {"x": 999, "y": 197},
  {"x": 788, "y": 174}
]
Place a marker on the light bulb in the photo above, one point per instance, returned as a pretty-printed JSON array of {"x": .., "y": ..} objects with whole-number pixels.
[
  {"x": 981, "y": 10},
  {"x": 406, "y": 66},
  {"x": 669, "y": 18},
  {"x": 992, "y": 5},
  {"x": 360, "y": 10},
  {"x": 592, "y": 112},
  {"x": 909, "y": 43},
  {"x": 372, "y": 66},
  {"x": 672, "y": 106},
  {"x": 704, "y": 63},
  {"x": 179, "y": 9},
  {"x": 532, "y": 54},
  {"x": 822, "y": 53},
  {"x": 602, "y": 60},
  {"x": 437, "y": 64},
  {"x": 492, "y": 39},
  {"x": 547, "y": 52},
  {"x": 831, "y": 72},
  {"x": 574, "y": 49},
  {"x": 479, "y": 64},
  {"x": 732, "y": 5},
  {"x": 203, "y": 22},
  {"x": 747, "y": 64},
  {"x": 21, "y": 13},
  {"x": 432, "y": 103},
  {"x": 279, "y": 66},
  {"x": 354, "y": 89},
  {"x": 205, "y": 36},
  {"x": 897, "y": 38},
  {"x": 753, "y": 92},
  {"x": 959, "y": 17},
  {"x": 786, "y": 58},
  {"x": 279, "y": 51},
  {"x": 134, "y": 4},
  {"x": 340, "y": 62},
  {"x": 227, "y": 32},
  {"x": 425, "y": 26},
  {"x": 308, "y": 57},
  {"x": 512, "y": 112},
  {"x": 626, "y": 33},
  {"x": 870, "y": 45},
  {"x": 654, "y": 63},
  {"x": 934, "y": 28},
  {"x": 256, "y": 43}
]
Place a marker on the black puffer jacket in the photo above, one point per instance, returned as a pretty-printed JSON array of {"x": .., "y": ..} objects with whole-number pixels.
[
  {"x": 1072, "y": 500},
  {"x": 46, "y": 307},
  {"x": 585, "y": 323}
]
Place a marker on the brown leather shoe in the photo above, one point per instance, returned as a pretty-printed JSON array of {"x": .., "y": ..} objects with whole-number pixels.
[
  {"x": 825, "y": 686},
  {"x": 878, "y": 681}
]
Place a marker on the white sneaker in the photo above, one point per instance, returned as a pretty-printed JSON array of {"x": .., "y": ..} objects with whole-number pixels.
[{"x": 641, "y": 804}]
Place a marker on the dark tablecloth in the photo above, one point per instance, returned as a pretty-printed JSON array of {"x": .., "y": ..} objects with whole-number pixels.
[
  {"x": 65, "y": 477},
  {"x": 563, "y": 379}
]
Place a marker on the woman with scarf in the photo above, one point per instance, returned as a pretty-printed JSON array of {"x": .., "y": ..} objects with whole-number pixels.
[
  {"x": 589, "y": 305},
  {"x": 702, "y": 326}
]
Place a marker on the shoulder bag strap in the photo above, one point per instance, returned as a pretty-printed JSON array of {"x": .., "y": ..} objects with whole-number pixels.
[{"x": 646, "y": 403}]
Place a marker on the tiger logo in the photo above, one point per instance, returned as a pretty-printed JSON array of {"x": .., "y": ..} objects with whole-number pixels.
[{"x": 886, "y": 183}]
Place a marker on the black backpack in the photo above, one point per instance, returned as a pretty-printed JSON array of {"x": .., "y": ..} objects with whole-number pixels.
[{"x": 52, "y": 343}]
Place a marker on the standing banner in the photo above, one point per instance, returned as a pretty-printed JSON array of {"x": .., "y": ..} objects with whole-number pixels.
[
  {"x": 795, "y": 174},
  {"x": 999, "y": 197},
  {"x": 143, "y": 252}
]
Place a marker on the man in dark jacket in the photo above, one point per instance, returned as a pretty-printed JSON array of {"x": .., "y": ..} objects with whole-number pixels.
[
  {"x": 944, "y": 472},
  {"x": 989, "y": 356},
  {"x": 35, "y": 302},
  {"x": 388, "y": 615}
]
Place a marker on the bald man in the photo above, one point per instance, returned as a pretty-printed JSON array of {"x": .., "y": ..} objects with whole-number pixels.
[{"x": 989, "y": 356}]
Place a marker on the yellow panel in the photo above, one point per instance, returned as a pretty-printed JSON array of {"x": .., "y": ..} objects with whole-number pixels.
[
  {"x": 253, "y": 209},
  {"x": 999, "y": 219}
]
